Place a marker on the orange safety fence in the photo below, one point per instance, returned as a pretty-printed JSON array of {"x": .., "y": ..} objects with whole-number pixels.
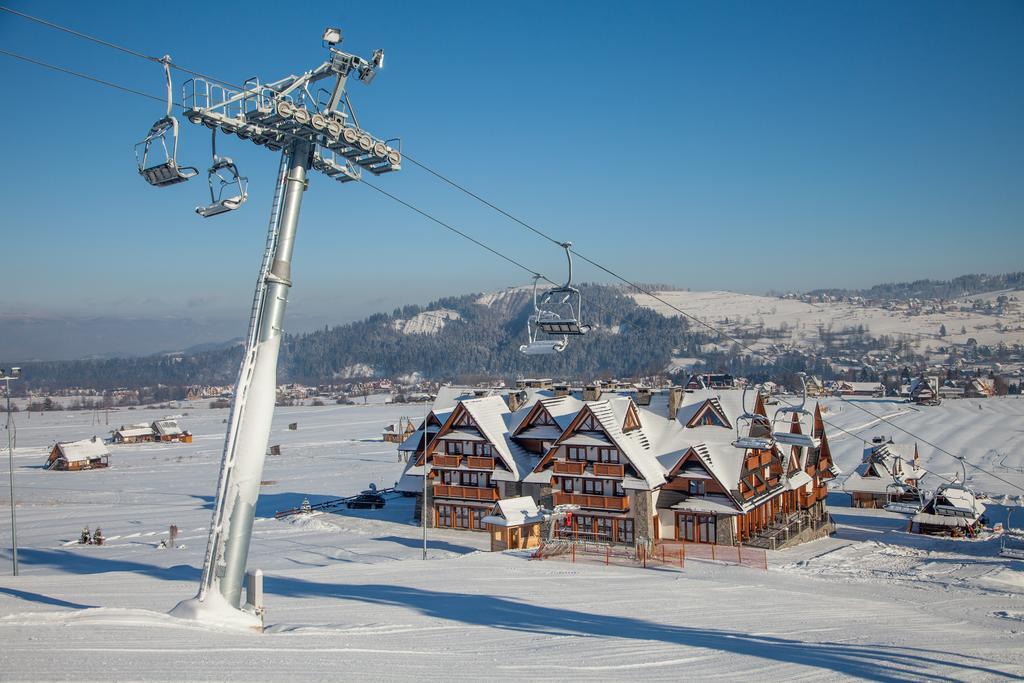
[{"x": 662, "y": 554}]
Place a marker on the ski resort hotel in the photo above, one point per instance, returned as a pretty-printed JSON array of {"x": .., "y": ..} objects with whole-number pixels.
[{"x": 641, "y": 466}]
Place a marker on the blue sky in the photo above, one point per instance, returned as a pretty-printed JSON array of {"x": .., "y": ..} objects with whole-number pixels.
[{"x": 750, "y": 146}]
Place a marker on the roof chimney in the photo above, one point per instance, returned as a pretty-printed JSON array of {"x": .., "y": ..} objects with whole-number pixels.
[
  {"x": 561, "y": 390},
  {"x": 675, "y": 401},
  {"x": 592, "y": 392},
  {"x": 516, "y": 399},
  {"x": 643, "y": 396}
]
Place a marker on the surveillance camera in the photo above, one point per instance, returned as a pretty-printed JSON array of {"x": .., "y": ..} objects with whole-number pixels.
[{"x": 332, "y": 36}]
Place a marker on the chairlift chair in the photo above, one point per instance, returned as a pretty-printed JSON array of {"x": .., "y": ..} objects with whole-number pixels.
[
  {"x": 536, "y": 346},
  {"x": 782, "y": 423},
  {"x": 746, "y": 422},
  {"x": 166, "y": 171},
  {"x": 223, "y": 179},
  {"x": 564, "y": 315}
]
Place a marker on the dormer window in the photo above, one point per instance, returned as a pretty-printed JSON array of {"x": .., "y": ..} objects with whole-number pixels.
[{"x": 696, "y": 487}]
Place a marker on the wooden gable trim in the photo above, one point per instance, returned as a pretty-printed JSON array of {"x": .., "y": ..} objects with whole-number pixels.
[
  {"x": 819, "y": 422},
  {"x": 445, "y": 428},
  {"x": 692, "y": 454},
  {"x": 528, "y": 420},
  {"x": 714, "y": 408},
  {"x": 632, "y": 420},
  {"x": 581, "y": 416}
]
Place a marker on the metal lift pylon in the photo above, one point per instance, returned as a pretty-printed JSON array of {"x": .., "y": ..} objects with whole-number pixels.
[{"x": 274, "y": 116}]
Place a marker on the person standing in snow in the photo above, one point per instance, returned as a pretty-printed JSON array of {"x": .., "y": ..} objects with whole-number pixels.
[
  {"x": 86, "y": 536},
  {"x": 97, "y": 537}
]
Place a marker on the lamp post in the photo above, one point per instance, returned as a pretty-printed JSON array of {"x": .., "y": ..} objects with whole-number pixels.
[{"x": 7, "y": 376}]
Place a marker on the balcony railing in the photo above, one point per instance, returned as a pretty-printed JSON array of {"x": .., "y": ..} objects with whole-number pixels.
[
  {"x": 601, "y": 502},
  {"x": 569, "y": 467},
  {"x": 607, "y": 469},
  {"x": 465, "y": 492},
  {"x": 476, "y": 462},
  {"x": 447, "y": 460}
]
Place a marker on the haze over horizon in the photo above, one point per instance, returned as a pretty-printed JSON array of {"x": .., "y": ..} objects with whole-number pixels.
[{"x": 835, "y": 145}]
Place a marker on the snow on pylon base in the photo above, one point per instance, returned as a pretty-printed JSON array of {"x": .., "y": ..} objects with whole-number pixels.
[{"x": 214, "y": 610}]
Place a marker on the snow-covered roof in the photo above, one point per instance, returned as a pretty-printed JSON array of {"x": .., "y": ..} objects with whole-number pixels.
[
  {"x": 491, "y": 415},
  {"x": 83, "y": 449},
  {"x": 412, "y": 442},
  {"x": 510, "y": 512},
  {"x": 135, "y": 431},
  {"x": 798, "y": 479},
  {"x": 711, "y": 503},
  {"x": 167, "y": 427}
]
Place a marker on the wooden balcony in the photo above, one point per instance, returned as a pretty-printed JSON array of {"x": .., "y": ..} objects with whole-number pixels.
[
  {"x": 446, "y": 460},
  {"x": 478, "y": 462},
  {"x": 569, "y": 467},
  {"x": 465, "y": 492},
  {"x": 607, "y": 469},
  {"x": 600, "y": 502}
]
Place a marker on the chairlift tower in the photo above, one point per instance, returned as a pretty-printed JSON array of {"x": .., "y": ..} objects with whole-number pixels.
[{"x": 318, "y": 131}]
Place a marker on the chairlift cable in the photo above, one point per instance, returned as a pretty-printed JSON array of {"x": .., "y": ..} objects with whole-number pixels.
[
  {"x": 718, "y": 331},
  {"x": 114, "y": 46}
]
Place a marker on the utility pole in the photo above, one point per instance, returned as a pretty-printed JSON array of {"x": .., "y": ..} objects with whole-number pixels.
[
  {"x": 318, "y": 133},
  {"x": 7, "y": 376}
]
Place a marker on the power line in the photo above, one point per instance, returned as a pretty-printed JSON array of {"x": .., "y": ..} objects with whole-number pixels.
[{"x": 518, "y": 264}]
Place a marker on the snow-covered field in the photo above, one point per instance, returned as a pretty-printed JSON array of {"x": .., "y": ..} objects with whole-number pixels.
[
  {"x": 748, "y": 311},
  {"x": 349, "y": 597}
]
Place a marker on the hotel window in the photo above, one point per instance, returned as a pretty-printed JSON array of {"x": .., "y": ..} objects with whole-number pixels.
[
  {"x": 707, "y": 529},
  {"x": 696, "y": 487},
  {"x": 604, "y": 528},
  {"x": 483, "y": 449},
  {"x": 624, "y": 529},
  {"x": 567, "y": 485},
  {"x": 608, "y": 455},
  {"x": 462, "y": 517},
  {"x": 576, "y": 452},
  {"x": 594, "y": 487},
  {"x": 470, "y": 479},
  {"x": 444, "y": 515},
  {"x": 478, "y": 515},
  {"x": 453, "y": 447},
  {"x": 618, "y": 489}
]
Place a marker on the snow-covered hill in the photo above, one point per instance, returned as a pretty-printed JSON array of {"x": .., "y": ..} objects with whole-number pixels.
[{"x": 735, "y": 312}]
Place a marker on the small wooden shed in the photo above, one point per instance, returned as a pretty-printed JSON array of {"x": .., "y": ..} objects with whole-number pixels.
[
  {"x": 514, "y": 524},
  {"x": 84, "y": 454}
]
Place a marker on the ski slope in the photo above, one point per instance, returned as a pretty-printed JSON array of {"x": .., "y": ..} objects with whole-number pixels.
[{"x": 348, "y": 595}]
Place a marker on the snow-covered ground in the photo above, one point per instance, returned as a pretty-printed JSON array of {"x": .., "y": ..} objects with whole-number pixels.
[
  {"x": 748, "y": 311},
  {"x": 348, "y": 595}
]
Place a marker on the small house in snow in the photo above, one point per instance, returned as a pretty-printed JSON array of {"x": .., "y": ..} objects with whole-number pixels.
[
  {"x": 980, "y": 387},
  {"x": 137, "y": 433},
  {"x": 85, "y": 454},
  {"x": 876, "y": 389},
  {"x": 168, "y": 430},
  {"x": 514, "y": 524},
  {"x": 886, "y": 474}
]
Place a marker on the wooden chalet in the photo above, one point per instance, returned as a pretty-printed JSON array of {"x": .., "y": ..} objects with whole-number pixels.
[
  {"x": 85, "y": 454},
  {"x": 875, "y": 389},
  {"x": 886, "y": 474},
  {"x": 980, "y": 387},
  {"x": 168, "y": 430},
  {"x": 138, "y": 433}
]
